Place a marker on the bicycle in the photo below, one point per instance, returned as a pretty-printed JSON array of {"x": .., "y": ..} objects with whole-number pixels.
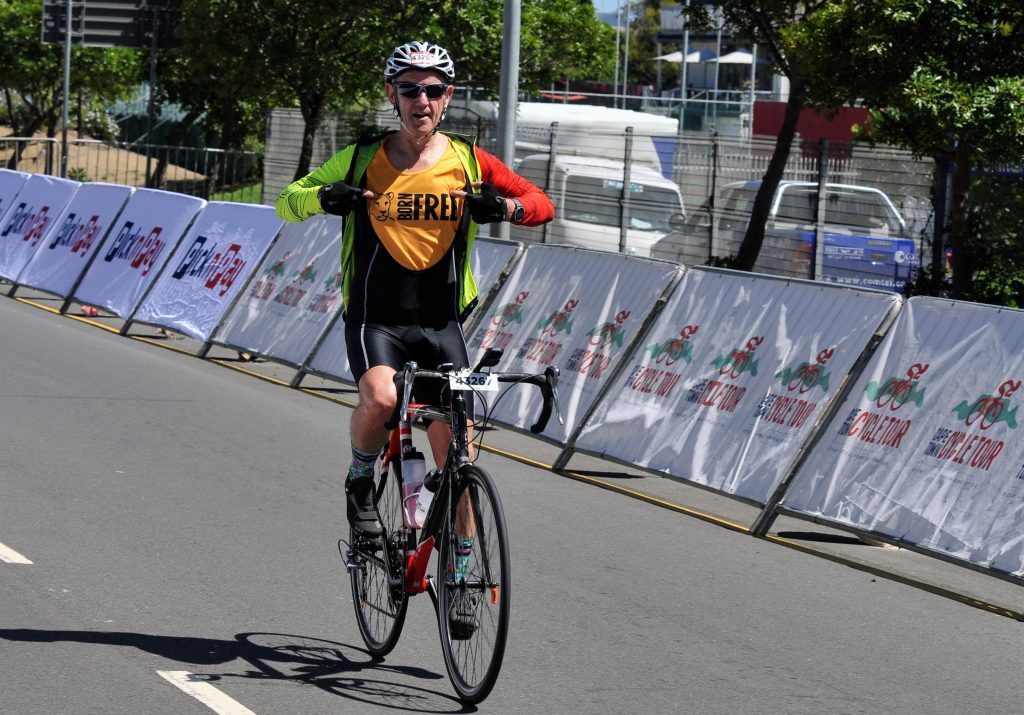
[{"x": 464, "y": 522}]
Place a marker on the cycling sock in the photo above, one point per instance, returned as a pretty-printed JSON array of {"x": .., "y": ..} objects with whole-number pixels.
[
  {"x": 462, "y": 552},
  {"x": 362, "y": 463}
]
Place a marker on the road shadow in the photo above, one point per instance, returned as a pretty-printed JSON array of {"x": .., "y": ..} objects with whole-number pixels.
[{"x": 337, "y": 668}]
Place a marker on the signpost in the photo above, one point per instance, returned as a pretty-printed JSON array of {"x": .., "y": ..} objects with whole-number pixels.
[{"x": 109, "y": 23}]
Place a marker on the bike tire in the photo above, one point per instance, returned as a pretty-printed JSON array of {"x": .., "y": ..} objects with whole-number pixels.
[
  {"x": 473, "y": 662},
  {"x": 380, "y": 607}
]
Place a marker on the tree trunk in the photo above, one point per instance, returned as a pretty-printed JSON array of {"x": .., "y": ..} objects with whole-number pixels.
[
  {"x": 173, "y": 139},
  {"x": 750, "y": 248},
  {"x": 311, "y": 111},
  {"x": 963, "y": 261}
]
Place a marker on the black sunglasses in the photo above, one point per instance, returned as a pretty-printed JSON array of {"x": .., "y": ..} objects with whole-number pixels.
[{"x": 433, "y": 91}]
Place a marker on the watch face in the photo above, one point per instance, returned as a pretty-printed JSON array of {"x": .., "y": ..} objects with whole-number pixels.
[{"x": 519, "y": 213}]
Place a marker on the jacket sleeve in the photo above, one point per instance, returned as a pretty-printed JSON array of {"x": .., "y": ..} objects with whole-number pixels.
[
  {"x": 539, "y": 209},
  {"x": 299, "y": 199}
]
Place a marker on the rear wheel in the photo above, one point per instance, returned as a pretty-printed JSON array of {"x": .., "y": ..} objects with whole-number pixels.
[
  {"x": 375, "y": 568},
  {"x": 474, "y": 586}
]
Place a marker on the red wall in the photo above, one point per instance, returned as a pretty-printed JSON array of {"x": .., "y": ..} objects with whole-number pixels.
[{"x": 811, "y": 126}]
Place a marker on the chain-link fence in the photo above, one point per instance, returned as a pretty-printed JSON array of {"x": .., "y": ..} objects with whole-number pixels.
[
  {"x": 205, "y": 172},
  {"x": 630, "y": 181}
]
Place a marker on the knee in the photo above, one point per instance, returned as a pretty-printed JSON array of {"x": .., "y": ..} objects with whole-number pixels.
[{"x": 378, "y": 400}]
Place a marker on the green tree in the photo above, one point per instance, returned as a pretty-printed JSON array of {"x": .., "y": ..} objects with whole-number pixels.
[
  {"x": 944, "y": 78},
  {"x": 32, "y": 73},
  {"x": 775, "y": 25}
]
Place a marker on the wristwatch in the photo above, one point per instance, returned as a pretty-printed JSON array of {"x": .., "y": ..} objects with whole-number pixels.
[{"x": 518, "y": 213}]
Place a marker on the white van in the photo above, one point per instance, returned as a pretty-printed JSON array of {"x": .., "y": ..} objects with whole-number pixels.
[{"x": 589, "y": 207}]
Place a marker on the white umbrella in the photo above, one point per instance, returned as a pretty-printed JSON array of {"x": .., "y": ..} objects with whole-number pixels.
[
  {"x": 701, "y": 55},
  {"x": 739, "y": 57}
]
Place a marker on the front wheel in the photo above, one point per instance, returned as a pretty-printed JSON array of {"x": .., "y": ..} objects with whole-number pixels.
[
  {"x": 375, "y": 569},
  {"x": 474, "y": 589}
]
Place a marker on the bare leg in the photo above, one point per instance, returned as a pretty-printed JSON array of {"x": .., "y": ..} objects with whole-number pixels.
[{"x": 377, "y": 398}]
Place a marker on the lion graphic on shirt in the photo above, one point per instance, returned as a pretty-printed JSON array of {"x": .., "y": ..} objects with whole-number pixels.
[{"x": 382, "y": 206}]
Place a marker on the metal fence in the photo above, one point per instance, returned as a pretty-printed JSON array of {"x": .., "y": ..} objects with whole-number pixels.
[
  {"x": 625, "y": 207},
  {"x": 205, "y": 172}
]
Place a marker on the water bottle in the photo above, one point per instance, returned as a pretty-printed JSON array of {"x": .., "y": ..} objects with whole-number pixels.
[
  {"x": 426, "y": 496},
  {"x": 414, "y": 469}
]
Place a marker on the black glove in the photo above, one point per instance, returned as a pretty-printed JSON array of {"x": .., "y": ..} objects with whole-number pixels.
[
  {"x": 487, "y": 206},
  {"x": 339, "y": 198}
]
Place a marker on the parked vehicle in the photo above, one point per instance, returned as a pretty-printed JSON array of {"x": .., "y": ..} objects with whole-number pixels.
[
  {"x": 865, "y": 238},
  {"x": 589, "y": 209}
]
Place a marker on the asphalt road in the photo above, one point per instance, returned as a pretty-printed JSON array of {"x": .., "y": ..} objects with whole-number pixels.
[{"x": 181, "y": 521}]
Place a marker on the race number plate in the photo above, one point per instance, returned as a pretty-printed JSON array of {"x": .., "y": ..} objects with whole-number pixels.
[{"x": 469, "y": 380}]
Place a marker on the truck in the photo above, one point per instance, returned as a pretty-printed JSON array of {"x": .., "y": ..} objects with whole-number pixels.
[
  {"x": 577, "y": 154},
  {"x": 865, "y": 241}
]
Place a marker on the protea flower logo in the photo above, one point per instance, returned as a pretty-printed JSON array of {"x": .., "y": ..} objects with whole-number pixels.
[
  {"x": 896, "y": 392},
  {"x": 306, "y": 275},
  {"x": 609, "y": 333},
  {"x": 739, "y": 361},
  {"x": 670, "y": 351},
  {"x": 987, "y": 410},
  {"x": 277, "y": 267},
  {"x": 805, "y": 377},
  {"x": 333, "y": 282},
  {"x": 559, "y": 321},
  {"x": 511, "y": 312}
]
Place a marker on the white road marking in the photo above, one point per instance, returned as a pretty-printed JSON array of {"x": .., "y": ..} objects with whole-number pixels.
[
  {"x": 198, "y": 688},
  {"x": 10, "y": 556}
]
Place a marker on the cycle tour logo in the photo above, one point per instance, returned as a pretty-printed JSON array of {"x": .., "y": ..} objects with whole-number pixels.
[
  {"x": 795, "y": 408},
  {"x": 329, "y": 295},
  {"x": 29, "y": 224},
  {"x": 139, "y": 248},
  {"x": 545, "y": 349},
  {"x": 656, "y": 378},
  {"x": 594, "y": 360},
  {"x": 881, "y": 427},
  {"x": 266, "y": 285},
  {"x": 963, "y": 445},
  {"x": 721, "y": 393},
  {"x": 298, "y": 287},
  {"x": 498, "y": 334},
  {"x": 76, "y": 234}
]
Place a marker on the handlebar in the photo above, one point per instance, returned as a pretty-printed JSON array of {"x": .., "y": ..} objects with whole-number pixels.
[{"x": 547, "y": 381}]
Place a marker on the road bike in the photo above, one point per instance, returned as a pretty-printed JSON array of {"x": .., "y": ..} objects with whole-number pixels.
[{"x": 455, "y": 511}]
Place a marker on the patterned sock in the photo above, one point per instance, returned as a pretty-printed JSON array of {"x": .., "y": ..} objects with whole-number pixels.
[
  {"x": 362, "y": 463},
  {"x": 462, "y": 552}
]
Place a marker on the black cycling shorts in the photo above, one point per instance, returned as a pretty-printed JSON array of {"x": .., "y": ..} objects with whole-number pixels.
[{"x": 373, "y": 344}]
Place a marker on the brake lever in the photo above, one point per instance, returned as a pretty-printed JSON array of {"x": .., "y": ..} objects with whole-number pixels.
[
  {"x": 410, "y": 368},
  {"x": 552, "y": 374}
]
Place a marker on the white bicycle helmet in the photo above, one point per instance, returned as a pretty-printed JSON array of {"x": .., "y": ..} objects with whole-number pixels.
[{"x": 420, "y": 56}]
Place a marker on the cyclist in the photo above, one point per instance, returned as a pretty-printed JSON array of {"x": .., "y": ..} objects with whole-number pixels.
[{"x": 412, "y": 202}]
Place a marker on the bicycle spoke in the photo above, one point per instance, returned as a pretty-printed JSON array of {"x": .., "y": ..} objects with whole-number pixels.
[
  {"x": 473, "y": 607},
  {"x": 381, "y": 607}
]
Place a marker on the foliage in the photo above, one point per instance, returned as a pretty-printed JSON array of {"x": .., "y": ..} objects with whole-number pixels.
[
  {"x": 944, "y": 78},
  {"x": 33, "y": 73}
]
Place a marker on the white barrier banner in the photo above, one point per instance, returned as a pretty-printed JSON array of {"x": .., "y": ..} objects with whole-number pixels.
[
  {"x": 210, "y": 265},
  {"x": 732, "y": 376},
  {"x": 570, "y": 307},
  {"x": 490, "y": 257},
  {"x": 488, "y": 260},
  {"x": 74, "y": 238},
  {"x": 294, "y": 294},
  {"x": 926, "y": 447},
  {"x": 10, "y": 184},
  {"x": 32, "y": 215},
  {"x": 136, "y": 248}
]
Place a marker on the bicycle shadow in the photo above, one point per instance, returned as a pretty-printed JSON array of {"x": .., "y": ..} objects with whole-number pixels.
[{"x": 336, "y": 668}]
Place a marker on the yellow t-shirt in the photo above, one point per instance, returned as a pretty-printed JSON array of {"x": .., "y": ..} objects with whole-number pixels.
[{"x": 415, "y": 217}]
